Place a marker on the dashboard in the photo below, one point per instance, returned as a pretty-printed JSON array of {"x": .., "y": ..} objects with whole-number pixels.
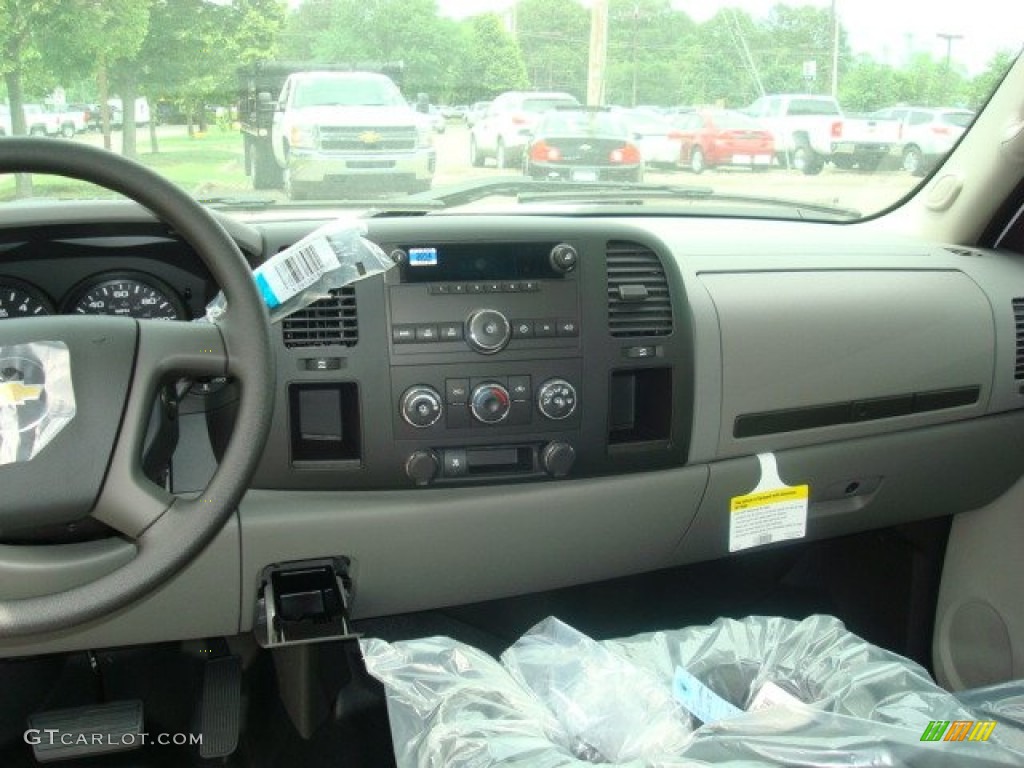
[{"x": 582, "y": 394}]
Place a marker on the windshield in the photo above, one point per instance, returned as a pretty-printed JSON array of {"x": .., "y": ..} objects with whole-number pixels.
[
  {"x": 346, "y": 91},
  {"x": 221, "y": 87},
  {"x": 580, "y": 123}
]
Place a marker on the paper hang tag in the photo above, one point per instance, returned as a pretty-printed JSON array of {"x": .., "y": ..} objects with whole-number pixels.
[
  {"x": 771, "y": 695},
  {"x": 699, "y": 700},
  {"x": 772, "y": 512}
]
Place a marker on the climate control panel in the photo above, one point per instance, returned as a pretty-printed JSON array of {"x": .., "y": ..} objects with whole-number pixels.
[{"x": 489, "y": 401}]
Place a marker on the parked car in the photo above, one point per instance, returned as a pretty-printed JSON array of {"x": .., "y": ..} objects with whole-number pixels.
[
  {"x": 583, "y": 145},
  {"x": 438, "y": 123},
  {"x": 659, "y": 141},
  {"x": 810, "y": 130},
  {"x": 39, "y": 121},
  {"x": 927, "y": 134},
  {"x": 713, "y": 138},
  {"x": 475, "y": 112},
  {"x": 504, "y": 130}
]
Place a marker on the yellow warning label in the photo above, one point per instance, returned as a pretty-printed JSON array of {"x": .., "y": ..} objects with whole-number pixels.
[{"x": 774, "y": 496}]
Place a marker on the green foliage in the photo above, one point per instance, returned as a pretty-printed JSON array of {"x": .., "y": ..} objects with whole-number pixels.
[
  {"x": 495, "y": 58},
  {"x": 554, "y": 36}
]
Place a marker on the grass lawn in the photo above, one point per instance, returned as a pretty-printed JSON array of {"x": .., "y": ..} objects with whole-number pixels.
[{"x": 210, "y": 163}]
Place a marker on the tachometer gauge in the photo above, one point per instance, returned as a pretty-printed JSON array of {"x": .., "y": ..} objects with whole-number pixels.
[
  {"x": 19, "y": 299},
  {"x": 141, "y": 298}
]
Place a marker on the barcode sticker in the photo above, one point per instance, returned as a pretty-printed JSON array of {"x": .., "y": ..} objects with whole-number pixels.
[
  {"x": 294, "y": 269},
  {"x": 772, "y": 512}
]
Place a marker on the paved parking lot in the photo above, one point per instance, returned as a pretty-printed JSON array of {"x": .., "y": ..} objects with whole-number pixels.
[{"x": 851, "y": 189}]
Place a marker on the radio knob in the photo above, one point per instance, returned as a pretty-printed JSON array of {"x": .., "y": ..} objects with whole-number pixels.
[
  {"x": 556, "y": 399},
  {"x": 488, "y": 331},
  {"x": 557, "y": 458},
  {"x": 422, "y": 467},
  {"x": 421, "y": 406},
  {"x": 490, "y": 403},
  {"x": 564, "y": 258}
]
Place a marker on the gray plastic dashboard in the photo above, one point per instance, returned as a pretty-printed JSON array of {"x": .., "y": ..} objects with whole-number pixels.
[{"x": 879, "y": 370}]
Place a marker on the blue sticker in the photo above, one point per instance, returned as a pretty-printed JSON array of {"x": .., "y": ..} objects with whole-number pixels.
[
  {"x": 269, "y": 297},
  {"x": 699, "y": 700}
]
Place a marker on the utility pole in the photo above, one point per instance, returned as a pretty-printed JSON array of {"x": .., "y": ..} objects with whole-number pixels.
[
  {"x": 636, "y": 23},
  {"x": 949, "y": 38},
  {"x": 598, "y": 53}
]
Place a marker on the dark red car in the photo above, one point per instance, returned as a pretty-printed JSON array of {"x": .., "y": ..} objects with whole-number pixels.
[{"x": 713, "y": 138}]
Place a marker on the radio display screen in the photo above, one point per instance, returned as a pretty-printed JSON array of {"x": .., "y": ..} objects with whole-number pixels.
[{"x": 469, "y": 262}]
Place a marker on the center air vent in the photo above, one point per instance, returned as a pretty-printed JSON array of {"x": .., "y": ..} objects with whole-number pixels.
[
  {"x": 326, "y": 322},
  {"x": 1018, "y": 321},
  {"x": 638, "y": 295}
]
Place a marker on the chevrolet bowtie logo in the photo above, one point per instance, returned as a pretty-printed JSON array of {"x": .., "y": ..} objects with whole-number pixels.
[
  {"x": 370, "y": 137},
  {"x": 14, "y": 393}
]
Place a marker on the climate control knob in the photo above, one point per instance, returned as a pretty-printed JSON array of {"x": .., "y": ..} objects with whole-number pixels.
[
  {"x": 488, "y": 331},
  {"x": 421, "y": 406},
  {"x": 490, "y": 402},
  {"x": 556, "y": 399}
]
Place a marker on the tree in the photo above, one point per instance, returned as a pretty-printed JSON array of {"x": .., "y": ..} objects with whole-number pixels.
[
  {"x": 495, "y": 58},
  {"x": 982, "y": 86},
  {"x": 647, "y": 40},
  {"x": 21, "y": 23},
  {"x": 375, "y": 32},
  {"x": 868, "y": 85},
  {"x": 193, "y": 48},
  {"x": 553, "y": 36}
]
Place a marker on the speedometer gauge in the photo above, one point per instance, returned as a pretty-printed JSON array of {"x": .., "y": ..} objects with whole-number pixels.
[
  {"x": 142, "y": 298},
  {"x": 18, "y": 299}
]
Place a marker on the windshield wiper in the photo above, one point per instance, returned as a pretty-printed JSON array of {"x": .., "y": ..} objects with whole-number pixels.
[
  {"x": 525, "y": 189},
  {"x": 373, "y": 206},
  {"x": 238, "y": 201}
]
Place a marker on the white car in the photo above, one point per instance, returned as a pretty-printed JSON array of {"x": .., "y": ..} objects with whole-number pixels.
[
  {"x": 659, "y": 141},
  {"x": 504, "y": 130},
  {"x": 927, "y": 134}
]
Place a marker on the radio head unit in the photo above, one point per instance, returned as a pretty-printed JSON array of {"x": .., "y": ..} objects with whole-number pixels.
[{"x": 483, "y": 262}]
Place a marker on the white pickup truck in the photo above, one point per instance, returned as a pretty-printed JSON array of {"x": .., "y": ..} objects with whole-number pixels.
[
  {"x": 337, "y": 133},
  {"x": 810, "y": 130}
]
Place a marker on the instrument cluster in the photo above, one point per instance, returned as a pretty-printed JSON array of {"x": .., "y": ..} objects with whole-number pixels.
[{"x": 129, "y": 294}]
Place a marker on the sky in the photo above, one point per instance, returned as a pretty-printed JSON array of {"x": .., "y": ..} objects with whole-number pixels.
[{"x": 887, "y": 29}]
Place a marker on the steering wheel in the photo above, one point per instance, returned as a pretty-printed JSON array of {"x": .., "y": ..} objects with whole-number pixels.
[{"x": 93, "y": 466}]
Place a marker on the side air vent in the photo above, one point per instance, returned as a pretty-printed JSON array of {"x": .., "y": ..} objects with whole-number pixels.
[
  {"x": 327, "y": 322},
  {"x": 1018, "y": 321},
  {"x": 638, "y": 296}
]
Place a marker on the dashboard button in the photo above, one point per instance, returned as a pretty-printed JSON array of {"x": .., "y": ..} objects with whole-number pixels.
[
  {"x": 519, "y": 387},
  {"x": 459, "y": 288},
  {"x": 426, "y": 333},
  {"x": 543, "y": 328},
  {"x": 403, "y": 334},
  {"x": 556, "y": 399},
  {"x": 456, "y": 391},
  {"x": 475, "y": 287},
  {"x": 322, "y": 363},
  {"x": 639, "y": 352},
  {"x": 530, "y": 286},
  {"x": 564, "y": 258},
  {"x": 493, "y": 287},
  {"x": 458, "y": 417},
  {"x": 441, "y": 288},
  {"x": 490, "y": 403},
  {"x": 488, "y": 331},
  {"x": 519, "y": 414},
  {"x": 421, "y": 406},
  {"x": 513, "y": 286},
  {"x": 522, "y": 329},
  {"x": 454, "y": 462},
  {"x": 450, "y": 331},
  {"x": 568, "y": 327}
]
